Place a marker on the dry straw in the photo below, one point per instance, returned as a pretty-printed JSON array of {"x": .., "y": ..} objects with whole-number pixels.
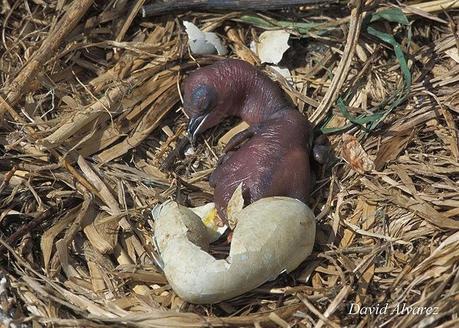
[{"x": 90, "y": 119}]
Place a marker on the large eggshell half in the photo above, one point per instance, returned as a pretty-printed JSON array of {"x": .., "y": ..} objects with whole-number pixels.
[{"x": 273, "y": 235}]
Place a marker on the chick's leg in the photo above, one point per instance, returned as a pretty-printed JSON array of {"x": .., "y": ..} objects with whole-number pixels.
[{"x": 219, "y": 170}]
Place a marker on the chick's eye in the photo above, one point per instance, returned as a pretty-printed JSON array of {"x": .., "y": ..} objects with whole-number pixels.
[{"x": 202, "y": 98}]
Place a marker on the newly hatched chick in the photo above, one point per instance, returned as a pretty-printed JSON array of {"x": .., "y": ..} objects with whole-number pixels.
[{"x": 271, "y": 158}]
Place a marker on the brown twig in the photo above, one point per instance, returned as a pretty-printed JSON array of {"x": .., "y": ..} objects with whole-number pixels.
[
  {"x": 159, "y": 8},
  {"x": 63, "y": 27},
  {"x": 343, "y": 68},
  {"x": 50, "y": 212},
  {"x": 174, "y": 154},
  {"x": 134, "y": 11},
  {"x": 64, "y": 162},
  {"x": 7, "y": 177}
]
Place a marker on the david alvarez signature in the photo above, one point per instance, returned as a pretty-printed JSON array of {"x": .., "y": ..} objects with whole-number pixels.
[{"x": 399, "y": 309}]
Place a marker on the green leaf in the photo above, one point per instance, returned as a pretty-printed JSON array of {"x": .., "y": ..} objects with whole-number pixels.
[
  {"x": 403, "y": 66},
  {"x": 300, "y": 27},
  {"x": 369, "y": 122},
  {"x": 257, "y": 21},
  {"x": 395, "y": 15}
]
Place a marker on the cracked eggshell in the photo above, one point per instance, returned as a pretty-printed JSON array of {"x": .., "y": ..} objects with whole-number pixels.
[
  {"x": 273, "y": 235},
  {"x": 203, "y": 43}
]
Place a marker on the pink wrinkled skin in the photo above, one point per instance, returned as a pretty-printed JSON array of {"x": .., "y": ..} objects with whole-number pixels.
[{"x": 271, "y": 158}]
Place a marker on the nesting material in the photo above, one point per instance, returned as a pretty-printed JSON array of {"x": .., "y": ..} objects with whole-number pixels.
[
  {"x": 273, "y": 235},
  {"x": 386, "y": 236}
]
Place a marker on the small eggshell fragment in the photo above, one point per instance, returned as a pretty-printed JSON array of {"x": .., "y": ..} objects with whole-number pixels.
[
  {"x": 273, "y": 235},
  {"x": 272, "y": 45},
  {"x": 203, "y": 43}
]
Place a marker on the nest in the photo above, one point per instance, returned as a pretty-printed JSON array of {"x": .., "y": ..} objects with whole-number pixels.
[{"x": 92, "y": 138}]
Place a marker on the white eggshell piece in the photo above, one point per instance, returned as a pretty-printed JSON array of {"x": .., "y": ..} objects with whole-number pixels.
[
  {"x": 273, "y": 235},
  {"x": 285, "y": 72},
  {"x": 203, "y": 43},
  {"x": 272, "y": 45}
]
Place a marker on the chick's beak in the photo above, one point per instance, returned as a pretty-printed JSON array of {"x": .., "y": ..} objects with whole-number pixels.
[{"x": 194, "y": 126}]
